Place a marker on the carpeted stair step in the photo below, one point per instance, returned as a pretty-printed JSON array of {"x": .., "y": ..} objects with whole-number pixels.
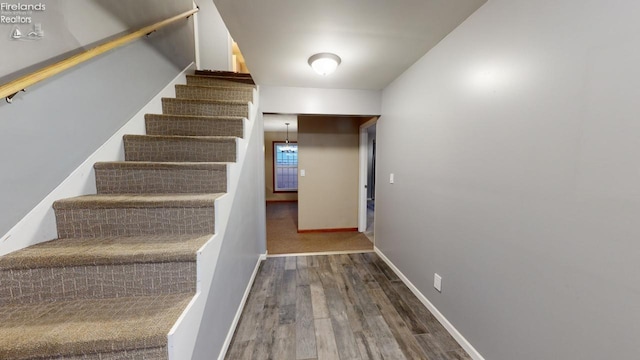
[
  {"x": 131, "y": 177},
  {"x": 84, "y": 268},
  {"x": 186, "y": 125},
  {"x": 135, "y": 215},
  {"x": 180, "y": 148},
  {"x": 219, "y": 81},
  {"x": 171, "y": 106},
  {"x": 223, "y": 73},
  {"x": 90, "y": 329},
  {"x": 231, "y": 78},
  {"x": 214, "y": 93}
]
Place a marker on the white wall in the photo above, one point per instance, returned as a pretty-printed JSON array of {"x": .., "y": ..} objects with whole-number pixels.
[
  {"x": 515, "y": 144},
  {"x": 243, "y": 242},
  {"x": 67, "y": 25},
  {"x": 214, "y": 41},
  {"x": 315, "y": 101}
]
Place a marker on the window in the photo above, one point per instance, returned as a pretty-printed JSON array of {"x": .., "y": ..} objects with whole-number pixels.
[{"x": 285, "y": 167}]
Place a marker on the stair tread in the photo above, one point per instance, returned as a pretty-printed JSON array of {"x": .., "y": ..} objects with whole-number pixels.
[
  {"x": 154, "y": 165},
  {"x": 181, "y": 138},
  {"x": 195, "y": 117},
  {"x": 206, "y": 101},
  {"x": 208, "y": 72},
  {"x": 108, "y": 201},
  {"x": 227, "y": 79},
  {"x": 90, "y": 326},
  {"x": 109, "y": 250},
  {"x": 217, "y": 87},
  {"x": 56, "y": 327}
]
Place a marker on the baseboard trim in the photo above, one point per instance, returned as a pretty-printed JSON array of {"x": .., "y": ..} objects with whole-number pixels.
[
  {"x": 466, "y": 345},
  {"x": 236, "y": 319},
  {"x": 323, "y": 253},
  {"x": 280, "y": 201},
  {"x": 354, "y": 229}
]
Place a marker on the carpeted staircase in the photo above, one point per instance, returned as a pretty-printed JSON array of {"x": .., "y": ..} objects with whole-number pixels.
[{"x": 123, "y": 268}]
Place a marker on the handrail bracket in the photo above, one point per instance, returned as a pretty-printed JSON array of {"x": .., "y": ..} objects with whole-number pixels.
[{"x": 9, "y": 98}]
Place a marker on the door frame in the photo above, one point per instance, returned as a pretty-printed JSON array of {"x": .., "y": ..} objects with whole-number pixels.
[{"x": 363, "y": 181}]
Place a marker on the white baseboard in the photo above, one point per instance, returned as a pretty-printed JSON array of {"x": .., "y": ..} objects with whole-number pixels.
[
  {"x": 236, "y": 319},
  {"x": 466, "y": 345},
  {"x": 324, "y": 253},
  {"x": 39, "y": 224}
]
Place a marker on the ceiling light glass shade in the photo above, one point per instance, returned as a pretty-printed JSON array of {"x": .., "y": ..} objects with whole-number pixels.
[{"x": 324, "y": 63}]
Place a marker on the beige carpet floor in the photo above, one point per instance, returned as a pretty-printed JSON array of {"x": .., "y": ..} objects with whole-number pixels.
[{"x": 283, "y": 236}]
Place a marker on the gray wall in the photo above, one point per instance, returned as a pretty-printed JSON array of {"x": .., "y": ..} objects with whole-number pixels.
[
  {"x": 515, "y": 147},
  {"x": 68, "y": 25},
  {"x": 53, "y": 127},
  {"x": 244, "y": 240}
]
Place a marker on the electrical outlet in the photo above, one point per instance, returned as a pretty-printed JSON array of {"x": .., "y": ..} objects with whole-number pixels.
[{"x": 437, "y": 282}]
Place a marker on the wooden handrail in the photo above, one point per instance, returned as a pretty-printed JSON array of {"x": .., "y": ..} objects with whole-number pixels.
[{"x": 9, "y": 89}]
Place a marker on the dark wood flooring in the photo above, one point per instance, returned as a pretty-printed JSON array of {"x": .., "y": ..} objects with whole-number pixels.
[{"x": 337, "y": 307}]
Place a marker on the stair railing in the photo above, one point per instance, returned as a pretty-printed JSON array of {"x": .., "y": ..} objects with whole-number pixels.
[{"x": 10, "y": 89}]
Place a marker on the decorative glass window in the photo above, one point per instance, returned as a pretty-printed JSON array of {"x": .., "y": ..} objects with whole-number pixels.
[{"x": 285, "y": 167}]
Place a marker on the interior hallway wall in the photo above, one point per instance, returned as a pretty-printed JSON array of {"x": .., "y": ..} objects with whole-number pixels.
[
  {"x": 214, "y": 39},
  {"x": 514, "y": 145},
  {"x": 328, "y": 153}
]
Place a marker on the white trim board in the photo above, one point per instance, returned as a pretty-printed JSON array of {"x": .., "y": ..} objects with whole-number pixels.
[
  {"x": 323, "y": 253},
  {"x": 39, "y": 224},
  {"x": 363, "y": 178},
  {"x": 466, "y": 345},
  {"x": 236, "y": 319}
]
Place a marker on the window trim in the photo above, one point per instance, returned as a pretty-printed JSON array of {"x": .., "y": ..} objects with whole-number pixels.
[{"x": 273, "y": 160}]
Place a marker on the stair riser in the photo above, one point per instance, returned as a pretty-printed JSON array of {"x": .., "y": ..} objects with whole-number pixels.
[
  {"x": 195, "y": 108},
  {"x": 222, "y": 73},
  {"x": 212, "y": 93},
  {"x": 213, "y": 81},
  {"x": 160, "y": 181},
  {"x": 159, "y": 353},
  {"x": 175, "y": 151},
  {"x": 78, "y": 223},
  {"x": 194, "y": 127},
  {"x": 96, "y": 282}
]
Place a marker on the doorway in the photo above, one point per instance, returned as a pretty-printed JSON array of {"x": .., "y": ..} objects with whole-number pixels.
[
  {"x": 322, "y": 215},
  {"x": 367, "y": 179}
]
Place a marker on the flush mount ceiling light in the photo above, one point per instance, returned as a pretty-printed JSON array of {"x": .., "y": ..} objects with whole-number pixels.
[{"x": 324, "y": 63}]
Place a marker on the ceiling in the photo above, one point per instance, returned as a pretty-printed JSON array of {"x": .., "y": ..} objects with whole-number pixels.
[
  {"x": 376, "y": 39},
  {"x": 277, "y": 122}
]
